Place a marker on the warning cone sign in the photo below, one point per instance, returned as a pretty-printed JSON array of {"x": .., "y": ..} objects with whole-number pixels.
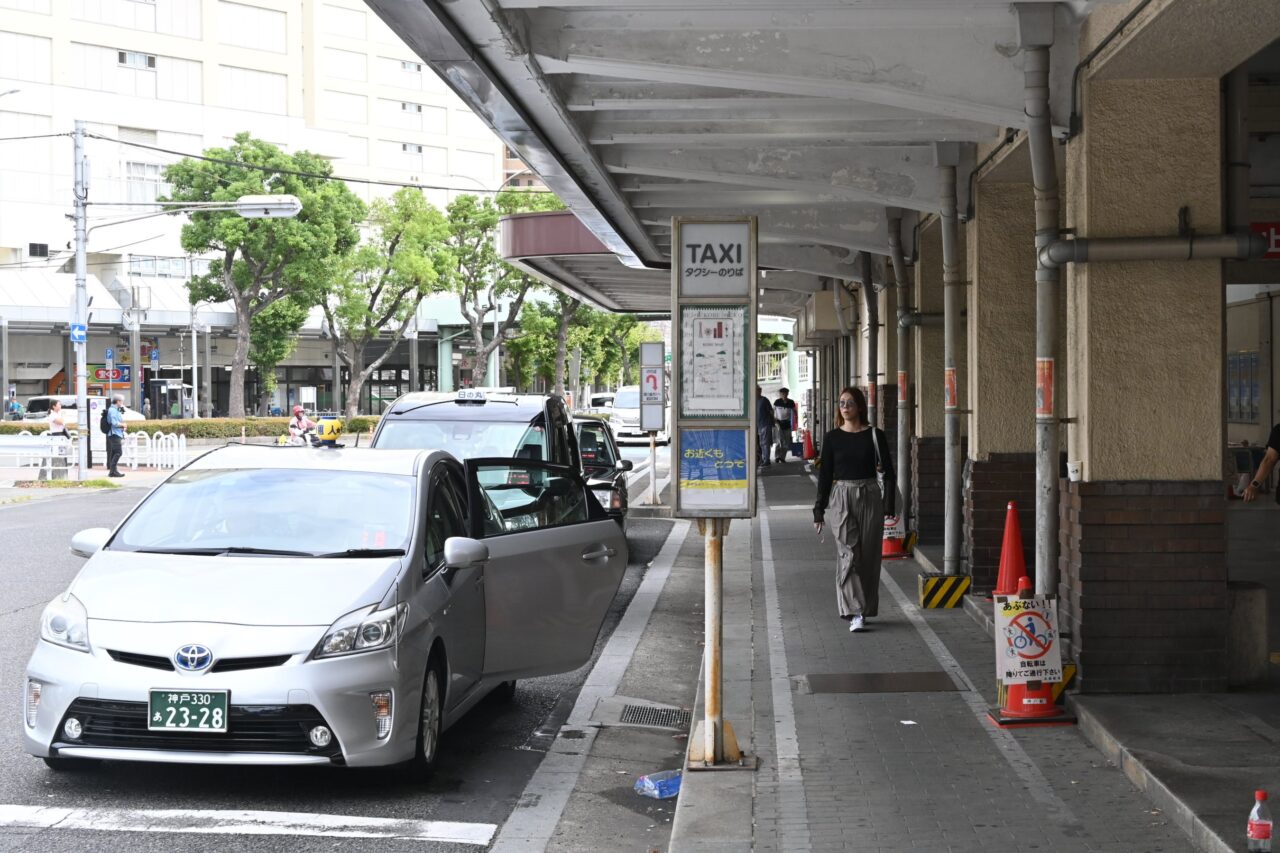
[
  {"x": 808, "y": 446},
  {"x": 1028, "y": 660},
  {"x": 1012, "y": 563}
]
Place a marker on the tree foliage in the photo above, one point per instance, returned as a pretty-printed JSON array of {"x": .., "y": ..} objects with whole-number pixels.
[
  {"x": 263, "y": 261},
  {"x": 379, "y": 286},
  {"x": 481, "y": 279},
  {"x": 273, "y": 336}
]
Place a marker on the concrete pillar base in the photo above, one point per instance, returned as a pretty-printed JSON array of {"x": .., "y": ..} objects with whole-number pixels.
[
  {"x": 989, "y": 485},
  {"x": 1152, "y": 557}
]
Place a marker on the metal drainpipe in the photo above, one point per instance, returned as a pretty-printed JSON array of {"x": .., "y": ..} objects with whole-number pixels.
[
  {"x": 1238, "y": 151},
  {"x": 1044, "y": 176},
  {"x": 904, "y": 347},
  {"x": 872, "y": 297},
  {"x": 952, "y": 289}
]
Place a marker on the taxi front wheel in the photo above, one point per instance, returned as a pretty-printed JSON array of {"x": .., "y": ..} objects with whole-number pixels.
[{"x": 430, "y": 716}]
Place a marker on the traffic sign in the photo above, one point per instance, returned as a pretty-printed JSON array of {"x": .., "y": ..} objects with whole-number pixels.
[
  {"x": 111, "y": 354},
  {"x": 155, "y": 355},
  {"x": 1026, "y": 640},
  {"x": 79, "y": 332}
]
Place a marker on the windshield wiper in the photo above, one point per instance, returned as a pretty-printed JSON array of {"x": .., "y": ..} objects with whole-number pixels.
[
  {"x": 219, "y": 551},
  {"x": 364, "y": 552}
]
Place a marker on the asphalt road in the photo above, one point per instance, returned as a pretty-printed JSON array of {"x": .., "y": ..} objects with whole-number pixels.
[{"x": 485, "y": 760}]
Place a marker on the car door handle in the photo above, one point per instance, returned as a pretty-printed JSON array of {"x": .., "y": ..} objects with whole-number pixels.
[{"x": 599, "y": 553}]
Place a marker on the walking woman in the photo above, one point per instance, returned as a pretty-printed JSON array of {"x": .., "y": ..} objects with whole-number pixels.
[{"x": 849, "y": 497}]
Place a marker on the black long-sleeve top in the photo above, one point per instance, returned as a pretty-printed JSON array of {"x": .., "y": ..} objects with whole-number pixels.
[{"x": 852, "y": 456}]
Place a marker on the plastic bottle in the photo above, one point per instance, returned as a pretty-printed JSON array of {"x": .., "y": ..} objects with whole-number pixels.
[{"x": 1259, "y": 832}]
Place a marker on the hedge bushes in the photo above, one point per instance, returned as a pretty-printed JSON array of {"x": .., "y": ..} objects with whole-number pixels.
[{"x": 204, "y": 427}]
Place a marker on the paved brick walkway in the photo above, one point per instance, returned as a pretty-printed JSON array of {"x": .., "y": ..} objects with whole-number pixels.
[{"x": 902, "y": 771}]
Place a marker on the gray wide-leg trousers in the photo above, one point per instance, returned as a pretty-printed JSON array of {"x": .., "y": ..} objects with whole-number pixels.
[{"x": 855, "y": 514}]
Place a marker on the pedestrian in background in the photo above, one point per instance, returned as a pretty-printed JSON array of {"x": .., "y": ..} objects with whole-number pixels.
[
  {"x": 115, "y": 436},
  {"x": 146, "y": 407},
  {"x": 1264, "y": 468},
  {"x": 784, "y": 412},
  {"x": 764, "y": 428},
  {"x": 849, "y": 496},
  {"x": 57, "y": 429},
  {"x": 57, "y": 421}
]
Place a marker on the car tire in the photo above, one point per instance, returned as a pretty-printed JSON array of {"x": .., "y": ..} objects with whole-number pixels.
[
  {"x": 430, "y": 719},
  {"x": 69, "y": 765},
  {"x": 504, "y": 692}
]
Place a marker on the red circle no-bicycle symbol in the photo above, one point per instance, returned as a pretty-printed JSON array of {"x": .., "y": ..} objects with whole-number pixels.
[{"x": 1029, "y": 635}]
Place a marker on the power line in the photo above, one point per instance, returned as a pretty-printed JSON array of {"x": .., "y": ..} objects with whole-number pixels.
[
  {"x": 301, "y": 174},
  {"x": 38, "y": 136}
]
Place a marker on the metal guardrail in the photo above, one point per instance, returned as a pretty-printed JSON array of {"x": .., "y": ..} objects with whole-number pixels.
[{"x": 771, "y": 366}]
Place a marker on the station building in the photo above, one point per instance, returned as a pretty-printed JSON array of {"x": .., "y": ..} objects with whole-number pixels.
[{"x": 1038, "y": 233}]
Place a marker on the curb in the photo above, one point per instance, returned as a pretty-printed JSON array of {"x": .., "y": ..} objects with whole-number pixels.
[{"x": 1201, "y": 835}]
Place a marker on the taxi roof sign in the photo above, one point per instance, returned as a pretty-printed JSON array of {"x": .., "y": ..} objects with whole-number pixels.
[{"x": 471, "y": 395}]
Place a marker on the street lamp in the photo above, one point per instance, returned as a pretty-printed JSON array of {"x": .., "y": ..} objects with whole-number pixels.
[{"x": 250, "y": 207}]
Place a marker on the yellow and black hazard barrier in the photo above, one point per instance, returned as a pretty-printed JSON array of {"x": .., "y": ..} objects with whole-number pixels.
[{"x": 943, "y": 590}]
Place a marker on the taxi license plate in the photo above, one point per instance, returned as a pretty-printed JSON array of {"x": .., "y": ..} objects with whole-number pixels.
[{"x": 188, "y": 710}]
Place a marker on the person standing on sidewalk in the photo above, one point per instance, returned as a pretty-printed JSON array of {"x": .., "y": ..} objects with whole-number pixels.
[
  {"x": 1264, "y": 468},
  {"x": 784, "y": 412},
  {"x": 764, "y": 428},
  {"x": 849, "y": 495},
  {"x": 115, "y": 436}
]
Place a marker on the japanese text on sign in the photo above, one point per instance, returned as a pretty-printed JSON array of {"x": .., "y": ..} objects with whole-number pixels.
[
  {"x": 713, "y": 468},
  {"x": 1026, "y": 639},
  {"x": 715, "y": 259}
]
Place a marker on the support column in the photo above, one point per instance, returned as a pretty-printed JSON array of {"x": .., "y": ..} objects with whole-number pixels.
[
  {"x": 927, "y": 444},
  {"x": 902, "y": 337},
  {"x": 415, "y": 368},
  {"x": 5, "y": 365},
  {"x": 1001, "y": 332},
  {"x": 1143, "y": 574},
  {"x": 953, "y": 299},
  {"x": 871, "y": 314},
  {"x": 444, "y": 363}
]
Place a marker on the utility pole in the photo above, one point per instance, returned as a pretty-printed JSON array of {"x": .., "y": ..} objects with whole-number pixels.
[{"x": 80, "y": 317}]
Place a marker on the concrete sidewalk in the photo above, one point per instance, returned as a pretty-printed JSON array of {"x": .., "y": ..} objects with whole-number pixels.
[{"x": 903, "y": 761}]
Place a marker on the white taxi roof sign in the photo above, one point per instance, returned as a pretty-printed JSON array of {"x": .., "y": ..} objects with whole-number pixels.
[{"x": 473, "y": 395}]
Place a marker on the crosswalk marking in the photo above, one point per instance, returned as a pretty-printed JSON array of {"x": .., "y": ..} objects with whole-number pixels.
[{"x": 243, "y": 822}]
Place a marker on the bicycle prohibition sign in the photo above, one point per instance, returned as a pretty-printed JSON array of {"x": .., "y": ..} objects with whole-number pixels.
[{"x": 1027, "y": 640}]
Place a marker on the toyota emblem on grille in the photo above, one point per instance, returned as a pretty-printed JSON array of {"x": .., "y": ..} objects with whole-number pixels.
[{"x": 193, "y": 657}]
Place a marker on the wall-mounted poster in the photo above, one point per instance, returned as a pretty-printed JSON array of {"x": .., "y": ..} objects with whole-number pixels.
[{"x": 713, "y": 361}]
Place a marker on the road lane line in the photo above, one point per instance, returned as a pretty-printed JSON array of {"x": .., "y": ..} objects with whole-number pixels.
[
  {"x": 537, "y": 813},
  {"x": 243, "y": 822},
  {"x": 793, "y": 808}
]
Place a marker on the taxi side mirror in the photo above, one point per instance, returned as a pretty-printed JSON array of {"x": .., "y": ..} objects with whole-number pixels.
[
  {"x": 625, "y": 465},
  {"x": 86, "y": 543},
  {"x": 461, "y": 552}
]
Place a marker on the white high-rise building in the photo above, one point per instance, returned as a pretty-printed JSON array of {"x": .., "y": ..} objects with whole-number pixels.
[{"x": 156, "y": 79}]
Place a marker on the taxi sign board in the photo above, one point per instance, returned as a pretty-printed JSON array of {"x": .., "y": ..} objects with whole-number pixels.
[
  {"x": 474, "y": 395},
  {"x": 1026, "y": 639}
]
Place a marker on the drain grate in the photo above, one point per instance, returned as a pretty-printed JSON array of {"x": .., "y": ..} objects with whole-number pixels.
[{"x": 666, "y": 718}]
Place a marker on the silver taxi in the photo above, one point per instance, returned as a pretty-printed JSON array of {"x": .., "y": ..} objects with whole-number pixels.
[{"x": 317, "y": 606}]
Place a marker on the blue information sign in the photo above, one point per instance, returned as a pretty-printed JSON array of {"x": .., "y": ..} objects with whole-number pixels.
[
  {"x": 111, "y": 354},
  {"x": 78, "y": 333},
  {"x": 714, "y": 469},
  {"x": 155, "y": 355}
]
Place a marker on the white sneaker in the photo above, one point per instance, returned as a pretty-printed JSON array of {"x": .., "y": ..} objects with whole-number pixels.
[{"x": 855, "y": 624}]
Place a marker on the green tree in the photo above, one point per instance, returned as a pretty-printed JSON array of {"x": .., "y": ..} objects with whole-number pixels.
[
  {"x": 480, "y": 277},
  {"x": 379, "y": 286},
  {"x": 636, "y": 335},
  {"x": 566, "y": 308},
  {"x": 531, "y": 353},
  {"x": 769, "y": 342},
  {"x": 263, "y": 261},
  {"x": 273, "y": 336}
]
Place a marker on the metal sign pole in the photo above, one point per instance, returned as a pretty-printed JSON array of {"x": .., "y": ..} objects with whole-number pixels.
[
  {"x": 80, "y": 322},
  {"x": 653, "y": 469},
  {"x": 713, "y": 442}
]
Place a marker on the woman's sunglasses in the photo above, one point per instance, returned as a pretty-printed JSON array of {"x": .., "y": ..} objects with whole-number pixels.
[{"x": 847, "y": 404}]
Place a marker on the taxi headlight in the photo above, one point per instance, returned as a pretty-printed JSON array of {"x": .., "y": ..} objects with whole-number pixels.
[
  {"x": 66, "y": 623},
  {"x": 363, "y": 630}
]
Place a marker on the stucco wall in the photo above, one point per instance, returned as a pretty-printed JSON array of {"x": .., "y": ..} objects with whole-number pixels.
[{"x": 1144, "y": 339}]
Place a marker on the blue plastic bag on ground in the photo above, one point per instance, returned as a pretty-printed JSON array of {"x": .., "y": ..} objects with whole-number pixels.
[{"x": 660, "y": 786}]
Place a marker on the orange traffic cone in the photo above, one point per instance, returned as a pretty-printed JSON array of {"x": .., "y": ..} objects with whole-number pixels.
[
  {"x": 1012, "y": 564},
  {"x": 808, "y": 446},
  {"x": 1029, "y": 704}
]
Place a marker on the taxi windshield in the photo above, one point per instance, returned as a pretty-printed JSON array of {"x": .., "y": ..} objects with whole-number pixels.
[
  {"x": 627, "y": 398},
  {"x": 467, "y": 439},
  {"x": 286, "y": 510}
]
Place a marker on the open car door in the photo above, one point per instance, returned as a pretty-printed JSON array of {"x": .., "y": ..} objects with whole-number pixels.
[{"x": 555, "y": 563}]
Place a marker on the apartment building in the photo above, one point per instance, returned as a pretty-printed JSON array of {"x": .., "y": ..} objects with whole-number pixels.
[{"x": 157, "y": 79}]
